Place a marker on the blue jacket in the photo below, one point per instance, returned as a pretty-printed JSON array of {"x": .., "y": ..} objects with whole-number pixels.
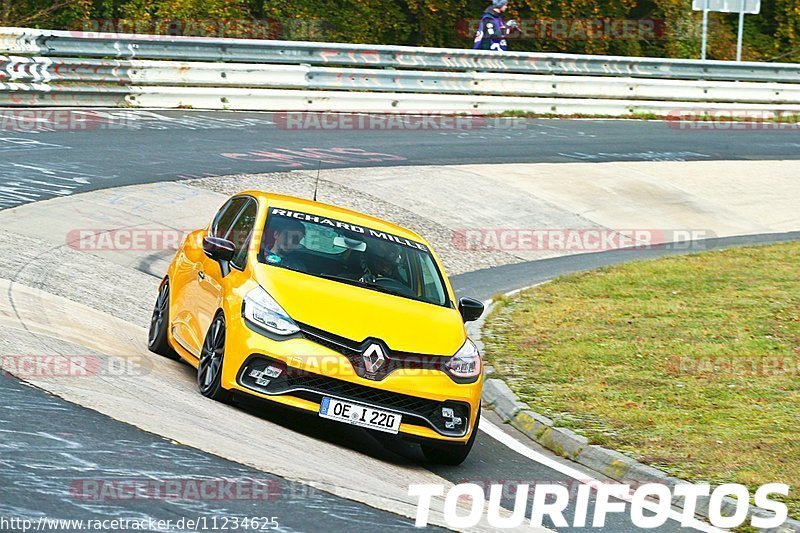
[{"x": 492, "y": 32}]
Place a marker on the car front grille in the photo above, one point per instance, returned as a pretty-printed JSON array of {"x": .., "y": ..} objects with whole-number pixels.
[
  {"x": 313, "y": 387},
  {"x": 354, "y": 351}
]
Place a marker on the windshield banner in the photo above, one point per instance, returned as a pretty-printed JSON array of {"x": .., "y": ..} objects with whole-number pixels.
[{"x": 307, "y": 217}]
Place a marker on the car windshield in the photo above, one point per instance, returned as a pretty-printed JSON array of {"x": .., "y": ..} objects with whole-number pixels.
[{"x": 352, "y": 254}]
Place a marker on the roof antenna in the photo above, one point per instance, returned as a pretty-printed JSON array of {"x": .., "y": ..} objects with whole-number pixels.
[{"x": 316, "y": 185}]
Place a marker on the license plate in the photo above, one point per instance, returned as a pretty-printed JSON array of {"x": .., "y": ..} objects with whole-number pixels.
[{"x": 359, "y": 415}]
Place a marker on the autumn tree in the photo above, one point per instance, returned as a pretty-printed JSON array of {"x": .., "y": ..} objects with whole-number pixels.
[{"x": 774, "y": 34}]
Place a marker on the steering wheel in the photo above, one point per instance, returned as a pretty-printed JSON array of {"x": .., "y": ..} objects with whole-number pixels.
[{"x": 394, "y": 285}]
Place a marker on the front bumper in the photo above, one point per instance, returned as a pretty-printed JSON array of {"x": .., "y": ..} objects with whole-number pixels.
[{"x": 311, "y": 371}]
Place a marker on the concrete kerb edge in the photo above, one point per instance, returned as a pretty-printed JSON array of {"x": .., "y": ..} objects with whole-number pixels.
[{"x": 566, "y": 443}]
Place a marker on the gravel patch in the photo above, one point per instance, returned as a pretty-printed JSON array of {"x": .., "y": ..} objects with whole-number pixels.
[{"x": 301, "y": 184}]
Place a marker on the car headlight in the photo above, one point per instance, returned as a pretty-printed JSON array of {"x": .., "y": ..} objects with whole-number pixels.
[
  {"x": 466, "y": 363},
  {"x": 261, "y": 310}
]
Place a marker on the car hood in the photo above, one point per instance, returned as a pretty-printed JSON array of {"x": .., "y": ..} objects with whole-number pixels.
[{"x": 358, "y": 313}]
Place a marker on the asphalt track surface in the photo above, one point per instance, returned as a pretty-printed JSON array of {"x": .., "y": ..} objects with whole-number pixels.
[
  {"x": 49, "y": 468},
  {"x": 37, "y": 466},
  {"x": 46, "y": 456},
  {"x": 43, "y": 159}
]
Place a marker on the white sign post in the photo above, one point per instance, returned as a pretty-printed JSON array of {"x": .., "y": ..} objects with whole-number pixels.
[
  {"x": 751, "y": 7},
  {"x": 740, "y": 35},
  {"x": 705, "y": 30}
]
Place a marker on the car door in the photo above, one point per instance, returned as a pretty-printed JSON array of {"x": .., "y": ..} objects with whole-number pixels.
[
  {"x": 189, "y": 293},
  {"x": 215, "y": 278}
]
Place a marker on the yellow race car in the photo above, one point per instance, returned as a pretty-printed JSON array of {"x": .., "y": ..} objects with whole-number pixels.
[{"x": 329, "y": 311}]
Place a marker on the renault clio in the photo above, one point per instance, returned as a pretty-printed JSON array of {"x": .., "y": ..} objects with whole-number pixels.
[{"x": 325, "y": 310}]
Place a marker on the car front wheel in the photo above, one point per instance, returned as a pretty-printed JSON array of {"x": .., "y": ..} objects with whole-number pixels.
[{"x": 209, "y": 369}]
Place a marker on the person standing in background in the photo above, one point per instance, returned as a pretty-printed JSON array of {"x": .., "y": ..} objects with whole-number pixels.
[{"x": 492, "y": 31}]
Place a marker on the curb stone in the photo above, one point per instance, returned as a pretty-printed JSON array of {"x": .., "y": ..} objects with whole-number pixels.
[
  {"x": 564, "y": 442},
  {"x": 505, "y": 404}
]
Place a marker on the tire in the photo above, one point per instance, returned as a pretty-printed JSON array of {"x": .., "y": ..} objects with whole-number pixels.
[
  {"x": 209, "y": 369},
  {"x": 157, "y": 339},
  {"x": 451, "y": 454}
]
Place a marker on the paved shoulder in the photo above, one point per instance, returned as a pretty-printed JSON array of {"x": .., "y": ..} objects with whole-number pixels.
[{"x": 69, "y": 462}]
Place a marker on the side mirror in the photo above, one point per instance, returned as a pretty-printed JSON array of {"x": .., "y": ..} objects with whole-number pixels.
[
  {"x": 218, "y": 249},
  {"x": 470, "y": 309}
]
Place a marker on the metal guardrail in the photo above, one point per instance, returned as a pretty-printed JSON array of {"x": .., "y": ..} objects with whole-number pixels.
[
  {"x": 235, "y": 98},
  {"x": 63, "y": 68},
  {"x": 84, "y": 44},
  {"x": 201, "y": 74}
]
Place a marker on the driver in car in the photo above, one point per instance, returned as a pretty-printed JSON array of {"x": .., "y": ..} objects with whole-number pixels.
[
  {"x": 380, "y": 261},
  {"x": 286, "y": 235}
]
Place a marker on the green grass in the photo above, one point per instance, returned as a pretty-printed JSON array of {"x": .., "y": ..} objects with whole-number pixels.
[{"x": 669, "y": 361}]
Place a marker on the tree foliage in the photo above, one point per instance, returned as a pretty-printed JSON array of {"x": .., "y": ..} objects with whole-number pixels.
[{"x": 772, "y": 35}]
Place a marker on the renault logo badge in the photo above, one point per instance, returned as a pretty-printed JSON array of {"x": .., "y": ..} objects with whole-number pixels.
[{"x": 373, "y": 358}]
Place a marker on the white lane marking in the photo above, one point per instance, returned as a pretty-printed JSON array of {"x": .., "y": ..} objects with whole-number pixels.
[
  {"x": 504, "y": 438},
  {"x": 624, "y": 157}
]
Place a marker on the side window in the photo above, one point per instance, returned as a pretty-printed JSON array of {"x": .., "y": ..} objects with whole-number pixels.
[
  {"x": 241, "y": 231},
  {"x": 226, "y": 216},
  {"x": 434, "y": 291}
]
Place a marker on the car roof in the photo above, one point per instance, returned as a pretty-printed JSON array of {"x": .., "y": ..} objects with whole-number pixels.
[{"x": 339, "y": 213}]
